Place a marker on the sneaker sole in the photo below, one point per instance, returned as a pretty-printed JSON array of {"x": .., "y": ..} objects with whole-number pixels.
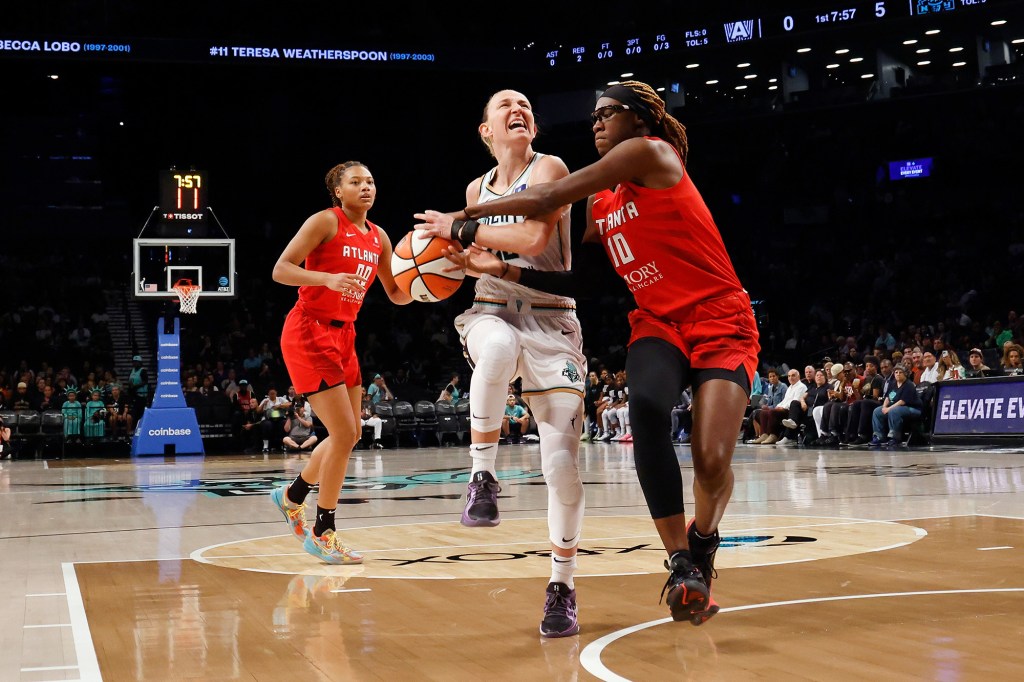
[
  {"x": 346, "y": 561},
  {"x": 467, "y": 520},
  {"x": 687, "y": 600},
  {"x": 698, "y": 619},
  {"x": 574, "y": 630}
]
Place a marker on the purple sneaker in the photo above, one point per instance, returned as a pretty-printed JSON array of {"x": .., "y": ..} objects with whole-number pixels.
[
  {"x": 481, "y": 501},
  {"x": 559, "y": 612}
]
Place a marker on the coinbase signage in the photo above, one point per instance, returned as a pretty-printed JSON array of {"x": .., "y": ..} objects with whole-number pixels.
[
  {"x": 169, "y": 426},
  {"x": 980, "y": 407}
]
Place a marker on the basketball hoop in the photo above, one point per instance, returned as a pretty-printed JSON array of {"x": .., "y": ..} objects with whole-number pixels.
[{"x": 188, "y": 295}]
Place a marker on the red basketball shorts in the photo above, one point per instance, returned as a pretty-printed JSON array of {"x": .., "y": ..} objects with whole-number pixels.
[
  {"x": 718, "y": 334},
  {"x": 319, "y": 355}
]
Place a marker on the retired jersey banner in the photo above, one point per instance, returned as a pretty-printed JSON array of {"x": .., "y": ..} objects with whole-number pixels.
[{"x": 992, "y": 406}]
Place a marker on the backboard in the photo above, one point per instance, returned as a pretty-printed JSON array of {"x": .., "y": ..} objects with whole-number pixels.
[{"x": 158, "y": 263}]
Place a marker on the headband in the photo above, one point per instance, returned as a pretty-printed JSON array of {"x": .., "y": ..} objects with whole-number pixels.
[{"x": 632, "y": 99}]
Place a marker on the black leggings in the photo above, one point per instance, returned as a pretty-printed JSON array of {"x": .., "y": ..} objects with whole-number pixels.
[{"x": 657, "y": 372}]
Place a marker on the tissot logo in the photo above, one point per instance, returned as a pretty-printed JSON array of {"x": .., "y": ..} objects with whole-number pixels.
[{"x": 736, "y": 31}]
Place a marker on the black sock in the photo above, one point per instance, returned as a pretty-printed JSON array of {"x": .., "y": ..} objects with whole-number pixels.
[
  {"x": 700, "y": 545},
  {"x": 298, "y": 490},
  {"x": 324, "y": 521},
  {"x": 682, "y": 554}
]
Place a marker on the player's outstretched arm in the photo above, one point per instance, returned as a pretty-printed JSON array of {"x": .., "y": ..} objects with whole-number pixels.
[{"x": 384, "y": 274}]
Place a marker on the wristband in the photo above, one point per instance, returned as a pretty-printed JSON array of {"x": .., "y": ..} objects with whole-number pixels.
[{"x": 464, "y": 231}]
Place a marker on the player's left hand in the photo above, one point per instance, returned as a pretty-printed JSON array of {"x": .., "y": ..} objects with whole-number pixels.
[{"x": 435, "y": 223}]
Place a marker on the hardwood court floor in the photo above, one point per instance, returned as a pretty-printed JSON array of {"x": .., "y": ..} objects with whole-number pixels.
[{"x": 836, "y": 565}]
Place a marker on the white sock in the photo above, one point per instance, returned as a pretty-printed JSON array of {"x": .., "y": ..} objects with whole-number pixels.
[
  {"x": 266, "y": 444},
  {"x": 562, "y": 569},
  {"x": 484, "y": 455}
]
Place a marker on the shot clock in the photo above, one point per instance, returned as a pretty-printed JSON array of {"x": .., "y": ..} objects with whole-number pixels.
[{"x": 183, "y": 195}]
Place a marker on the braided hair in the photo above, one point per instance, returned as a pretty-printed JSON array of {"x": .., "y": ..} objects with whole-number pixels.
[
  {"x": 335, "y": 175},
  {"x": 662, "y": 123}
]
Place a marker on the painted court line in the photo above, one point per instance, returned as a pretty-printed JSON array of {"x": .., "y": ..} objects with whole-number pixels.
[
  {"x": 590, "y": 657},
  {"x": 88, "y": 666},
  {"x": 989, "y": 549}
]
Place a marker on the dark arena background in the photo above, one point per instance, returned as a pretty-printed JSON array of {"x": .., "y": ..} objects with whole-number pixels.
[{"x": 862, "y": 161}]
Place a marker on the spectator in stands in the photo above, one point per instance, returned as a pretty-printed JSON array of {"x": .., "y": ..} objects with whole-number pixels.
[
  {"x": 5, "y": 440},
  {"x": 811, "y": 405},
  {"x": 949, "y": 367},
  {"x": 118, "y": 417},
  {"x": 591, "y": 400},
  {"x": 770, "y": 418},
  {"x": 249, "y": 426},
  {"x": 622, "y": 413},
  {"x": 808, "y": 376},
  {"x": 251, "y": 364},
  {"x": 94, "y": 419},
  {"x": 774, "y": 392},
  {"x": 916, "y": 364},
  {"x": 885, "y": 339},
  {"x": 138, "y": 387},
  {"x": 929, "y": 370},
  {"x": 72, "y": 411},
  {"x": 368, "y": 418},
  {"x": 999, "y": 335},
  {"x": 230, "y": 386},
  {"x": 450, "y": 393},
  {"x": 378, "y": 390},
  {"x": 299, "y": 427},
  {"x": 682, "y": 417},
  {"x": 240, "y": 403},
  {"x": 48, "y": 400},
  {"x": 80, "y": 336},
  {"x": 615, "y": 398},
  {"x": 273, "y": 409},
  {"x": 1013, "y": 359},
  {"x": 21, "y": 399},
  {"x": 871, "y": 390},
  {"x": 515, "y": 421},
  {"x": 976, "y": 366},
  {"x": 901, "y": 403},
  {"x": 209, "y": 387}
]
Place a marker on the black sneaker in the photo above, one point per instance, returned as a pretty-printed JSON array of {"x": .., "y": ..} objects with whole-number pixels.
[
  {"x": 481, "y": 501},
  {"x": 559, "y": 612},
  {"x": 703, "y": 552},
  {"x": 687, "y": 592}
]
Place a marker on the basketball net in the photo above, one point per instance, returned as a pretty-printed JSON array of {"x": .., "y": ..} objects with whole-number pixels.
[{"x": 188, "y": 295}]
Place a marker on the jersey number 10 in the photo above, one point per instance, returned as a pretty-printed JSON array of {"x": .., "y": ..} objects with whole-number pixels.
[{"x": 619, "y": 250}]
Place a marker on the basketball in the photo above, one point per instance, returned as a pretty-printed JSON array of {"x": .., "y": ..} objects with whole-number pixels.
[{"x": 418, "y": 265}]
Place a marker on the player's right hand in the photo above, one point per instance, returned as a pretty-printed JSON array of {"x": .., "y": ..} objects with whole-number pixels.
[
  {"x": 345, "y": 282},
  {"x": 474, "y": 260}
]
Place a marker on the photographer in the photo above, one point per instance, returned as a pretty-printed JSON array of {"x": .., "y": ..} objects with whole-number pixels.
[{"x": 299, "y": 427}]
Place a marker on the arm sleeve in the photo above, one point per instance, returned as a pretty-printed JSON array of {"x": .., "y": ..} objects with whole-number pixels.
[{"x": 589, "y": 265}]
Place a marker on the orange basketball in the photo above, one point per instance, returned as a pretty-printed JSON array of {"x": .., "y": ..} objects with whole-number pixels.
[{"x": 418, "y": 265}]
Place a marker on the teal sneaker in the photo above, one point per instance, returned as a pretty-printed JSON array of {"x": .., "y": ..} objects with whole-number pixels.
[{"x": 328, "y": 547}]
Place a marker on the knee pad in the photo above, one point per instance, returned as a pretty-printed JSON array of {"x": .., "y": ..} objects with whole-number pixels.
[
  {"x": 562, "y": 475},
  {"x": 565, "y": 499},
  {"x": 497, "y": 356}
]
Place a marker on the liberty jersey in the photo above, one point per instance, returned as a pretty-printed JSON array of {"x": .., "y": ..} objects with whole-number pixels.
[
  {"x": 666, "y": 246},
  {"x": 350, "y": 251},
  {"x": 555, "y": 257}
]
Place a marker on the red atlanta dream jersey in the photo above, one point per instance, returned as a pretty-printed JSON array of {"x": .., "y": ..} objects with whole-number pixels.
[
  {"x": 349, "y": 251},
  {"x": 666, "y": 246}
]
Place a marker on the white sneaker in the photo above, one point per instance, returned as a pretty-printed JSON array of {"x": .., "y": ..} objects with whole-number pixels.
[
  {"x": 789, "y": 423},
  {"x": 786, "y": 440}
]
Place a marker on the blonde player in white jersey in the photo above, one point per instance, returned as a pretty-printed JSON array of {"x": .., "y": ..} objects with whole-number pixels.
[{"x": 513, "y": 331}]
